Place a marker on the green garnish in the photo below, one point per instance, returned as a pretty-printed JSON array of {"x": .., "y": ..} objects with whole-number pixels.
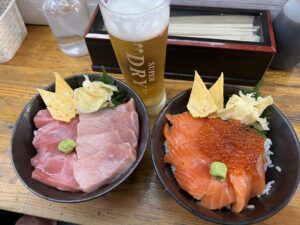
[
  {"x": 105, "y": 78},
  {"x": 256, "y": 90},
  {"x": 262, "y": 133},
  {"x": 66, "y": 145},
  {"x": 117, "y": 98},
  {"x": 218, "y": 170}
]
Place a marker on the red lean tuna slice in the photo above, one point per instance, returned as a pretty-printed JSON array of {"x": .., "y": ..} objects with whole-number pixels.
[
  {"x": 109, "y": 123},
  {"x": 54, "y": 132},
  {"x": 127, "y": 107},
  {"x": 51, "y": 166},
  {"x": 42, "y": 118},
  {"x": 103, "y": 167},
  {"x": 56, "y": 170},
  {"x": 89, "y": 144},
  {"x": 32, "y": 220},
  {"x": 43, "y": 154}
]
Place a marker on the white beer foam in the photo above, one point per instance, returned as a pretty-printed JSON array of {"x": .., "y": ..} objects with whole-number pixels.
[{"x": 135, "y": 20}]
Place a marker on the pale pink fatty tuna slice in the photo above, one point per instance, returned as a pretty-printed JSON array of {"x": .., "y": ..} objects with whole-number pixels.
[
  {"x": 114, "y": 121},
  {"x": 90, "y": 144},
  {"x": 103, "y": 167},
  {"x": 106, "y": 145}
]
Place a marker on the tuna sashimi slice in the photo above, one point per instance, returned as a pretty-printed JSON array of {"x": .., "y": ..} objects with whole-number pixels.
[
  {"x": 103, "y": 167},
  {"x": 109, "y": 123},
  {"x": 43, "y": 154},
  {"x": 53, "y": 133},
  {"x": 57, "y": 171},
  {"x": 90, "y": 144},
  {"x": 42, "y": 118},
  {"x": 127, "y": 107}
]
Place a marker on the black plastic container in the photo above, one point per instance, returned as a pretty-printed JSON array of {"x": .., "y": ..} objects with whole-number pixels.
[{"x": 242, "y": 62}]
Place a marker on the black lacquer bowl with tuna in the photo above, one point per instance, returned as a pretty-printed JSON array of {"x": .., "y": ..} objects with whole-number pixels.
[{"x": 22, "y": 149}]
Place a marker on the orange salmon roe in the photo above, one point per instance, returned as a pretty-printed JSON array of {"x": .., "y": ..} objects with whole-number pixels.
[{"x": 231, "y": 142}]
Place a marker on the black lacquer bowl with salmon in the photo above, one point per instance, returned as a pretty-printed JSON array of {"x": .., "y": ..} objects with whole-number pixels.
[{"x": 181, "y": 180}]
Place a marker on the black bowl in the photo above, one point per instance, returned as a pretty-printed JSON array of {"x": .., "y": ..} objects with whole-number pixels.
[
  {"x": 22, "y": 149},
  {"x": 286, "y": 150}
]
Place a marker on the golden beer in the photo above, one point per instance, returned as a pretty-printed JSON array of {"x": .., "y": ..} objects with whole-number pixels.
[
  {"x": 142, "y": 65},
  {"x": 138, "y": 30}
]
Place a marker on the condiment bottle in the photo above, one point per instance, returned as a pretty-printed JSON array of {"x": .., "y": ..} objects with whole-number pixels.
[
  {"x": 287, "y": 36},
  {"x": 68, "y": 20}
]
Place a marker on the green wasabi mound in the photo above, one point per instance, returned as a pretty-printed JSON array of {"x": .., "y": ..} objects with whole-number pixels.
[
  {"x": 218, "y": 170},
  {"x": 66, "y": 145}
]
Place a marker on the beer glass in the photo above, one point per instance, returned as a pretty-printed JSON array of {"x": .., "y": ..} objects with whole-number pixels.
[{"x": 138, "y": 30}]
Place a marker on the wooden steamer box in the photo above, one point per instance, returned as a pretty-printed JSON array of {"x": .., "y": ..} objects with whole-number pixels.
[{"x": 243, "y": 62}]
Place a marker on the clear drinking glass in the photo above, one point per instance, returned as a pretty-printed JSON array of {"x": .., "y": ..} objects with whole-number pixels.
[
  {"x": 68, "y": 20},
  {"x": 138, "y": 31}
]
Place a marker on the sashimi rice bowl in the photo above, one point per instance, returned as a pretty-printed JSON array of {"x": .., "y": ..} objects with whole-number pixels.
[
  {"x": 226, "y": 154},
  {"x": 79, "y": 138}
]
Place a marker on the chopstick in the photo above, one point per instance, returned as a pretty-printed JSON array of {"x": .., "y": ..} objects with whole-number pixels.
[{"x": 228, "y": 27}]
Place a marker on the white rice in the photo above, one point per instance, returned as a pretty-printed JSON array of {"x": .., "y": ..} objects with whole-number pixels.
[
  {"x": 268, "y": 187},
  {"x": 268, "y": 153},
  {"x": 278, "y": 169},
  {"x": 173, "y": 168},
  {"x": 251, "y": 207},
  {"x": 268, "y": 164},
  {"x": 228, "y": 206},
  {"x": 166, "y": 147}
]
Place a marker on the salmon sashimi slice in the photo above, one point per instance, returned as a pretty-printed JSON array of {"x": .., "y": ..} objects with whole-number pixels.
[
  {"x": 241, "y": 183},
  {"x": 184, "y": 130},
  {"x": 174, "y": 138},
  {"x": 223, "y": 195},
  {"x": 191, "y": 179},
  {"x": 195, "y": 178},
  {"x": 259, "y": 180},
  {"x": 179, "y": 151},
  {"x": 182, "y": 118}
]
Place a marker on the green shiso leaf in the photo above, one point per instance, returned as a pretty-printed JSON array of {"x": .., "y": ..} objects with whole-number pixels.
[
  {"x": 118, "y": 98},
  {"x": 105, "y": 78}
]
